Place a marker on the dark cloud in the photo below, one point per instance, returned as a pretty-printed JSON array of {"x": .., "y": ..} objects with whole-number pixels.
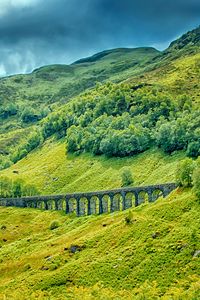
[{"x": 39, "y": 32}]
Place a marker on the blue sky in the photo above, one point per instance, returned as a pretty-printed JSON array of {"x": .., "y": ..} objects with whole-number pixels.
[{"x": 39, "y": 32}]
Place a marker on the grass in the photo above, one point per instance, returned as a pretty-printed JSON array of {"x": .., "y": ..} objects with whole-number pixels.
[
  {"x": 114, "y": 260},
  {"x": 179, "y": 76},
  {"x": 52, "y": 171}
]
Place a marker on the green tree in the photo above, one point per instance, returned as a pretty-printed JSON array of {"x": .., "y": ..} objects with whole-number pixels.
[
  {"x": 17, "y": 188},
  {"x": 184, "y": 172},
  {"x": 126, "y": 177},
  {"x": 10, "y": 110},
  {"x": 196, "y": 179},
  {"x": 5, "y": 187},
  {"x": 193, "y": 149},
  {"x": 29, "y": 190},
  {"x": 29, "y": 115}
]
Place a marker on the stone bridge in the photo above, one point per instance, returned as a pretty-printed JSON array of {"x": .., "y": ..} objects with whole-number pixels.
[{"x": 98, "y": 202}]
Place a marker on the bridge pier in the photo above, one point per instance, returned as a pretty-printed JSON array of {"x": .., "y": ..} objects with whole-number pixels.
[
  {"x": 136, "y": 199},
  {"x": 89, "y": 206},
  {"x": 56, "y": 204},
  {"x": 123, "y": 200},
  {"x": 67, "y": 205},
  {"x": 100, "y": 204},
  {"x": 150, "y": 198},
  {"x": 78, "y": 206},
  {"x": 111, "y": 203},
  {"x": 45, "y": 205}
]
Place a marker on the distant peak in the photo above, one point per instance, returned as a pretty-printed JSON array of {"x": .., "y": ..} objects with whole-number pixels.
[
  {"x": 121, "y": 51},
  {"x": 191, "y": 38}
]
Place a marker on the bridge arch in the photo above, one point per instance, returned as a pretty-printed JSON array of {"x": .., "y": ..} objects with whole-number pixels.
[
  {"x": 40, "y": 204},
  {"x": 143, "y": 197},
  {"x": 106, "y": 203},
  {"x": 155, "y": 194},
  {"x": 83, "y": 206},
  {"x": 94, "y": 205},
  {"x": 72, "y": 205},
  {"x": 129, "y": 200}
]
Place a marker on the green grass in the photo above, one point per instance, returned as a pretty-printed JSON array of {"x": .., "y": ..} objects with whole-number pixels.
[
  {"x": 51, "y": 171},
  {"x": 114, "y": 261}
]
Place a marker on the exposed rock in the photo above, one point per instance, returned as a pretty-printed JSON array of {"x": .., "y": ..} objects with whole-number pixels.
[
  {"x": 196, "y": 253},
  {"x": 155, "y": 234},
  {"x": 55, "y": 179},
  {"x": 75, "y": 248},
  {"x": 44, "y": 268},
  {"x": 49, "y": 258}
]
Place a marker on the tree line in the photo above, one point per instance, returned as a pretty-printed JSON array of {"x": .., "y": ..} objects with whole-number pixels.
[
  {"x": 121, "y": 120},
  {"x": 16, "y": 188}
]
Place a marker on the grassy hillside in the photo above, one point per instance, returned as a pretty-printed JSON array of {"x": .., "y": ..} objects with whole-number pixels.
[
  {"x": 179, "y": 76},
  {"x": 51, "y": 171},
  {"x": 58, "y": 83},
  {"x": 110, "y": 260}
]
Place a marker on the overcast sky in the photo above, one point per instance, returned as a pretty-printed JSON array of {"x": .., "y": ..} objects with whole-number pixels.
[{"x": 39, "y": 32}]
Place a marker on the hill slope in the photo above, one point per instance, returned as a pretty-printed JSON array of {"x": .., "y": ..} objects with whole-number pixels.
[
  {"x": 100, "y": 257},
  {"x": 51, "y": 171},
  {"x": 28, "y": 99}
]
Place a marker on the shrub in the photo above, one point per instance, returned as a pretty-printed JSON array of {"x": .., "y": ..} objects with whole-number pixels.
[
  {"x": 184, "y": 172},
  {"x": 54, "y": 224},
  {"x": 10, "y": 110},
  {"x": 193, "y": 149},
  {"x": 29, "y": 115},
  {"x": 129, "y": 218},
  {"x": 3, "y": 227},
  {"x": 126, "y": 177}
]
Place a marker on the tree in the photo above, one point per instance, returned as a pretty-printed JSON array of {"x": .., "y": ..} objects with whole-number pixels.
[
  {"x": 184, "y": 172},
  {"x": 17, "y": 188},
  {"x": 33, "y": 141},
  {"x": 196, "y": 179},
  {"x": 126, "y": 177},
  {"x": 29, "y": 115},
  {"x": 193, "y": 149},
  {"x": 10, "y": 110},
  {"x": 29, "y": 190},
  {"x": 5, "y": 187}
]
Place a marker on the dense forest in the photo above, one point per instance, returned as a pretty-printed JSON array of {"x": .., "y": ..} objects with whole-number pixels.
[{"x": 122, "y": 120}]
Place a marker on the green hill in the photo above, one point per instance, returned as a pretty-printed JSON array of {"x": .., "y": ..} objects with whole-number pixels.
[
  {"x": 75, "y": 128},
  {"x": 26, "y": 100},
  {"x": 51, "y": 171},
  {"x": 101, "y": 257}
]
